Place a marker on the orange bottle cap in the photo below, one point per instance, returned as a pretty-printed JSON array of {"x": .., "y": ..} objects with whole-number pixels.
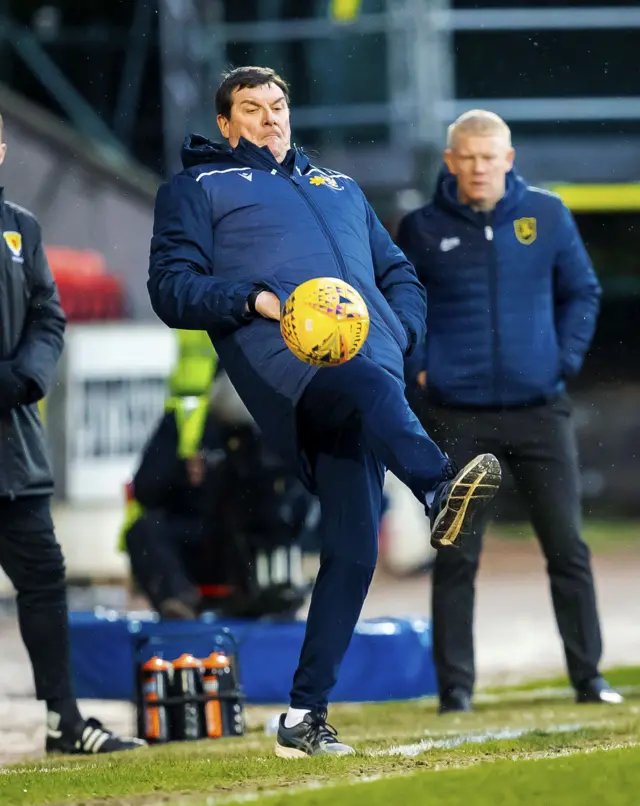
[
  {"x": 217, "y": 660},
  {"x": 156, "y": 664},
  {"x": 187, "y": 661}
]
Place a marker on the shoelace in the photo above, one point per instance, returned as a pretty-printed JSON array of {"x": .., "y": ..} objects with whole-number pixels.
[{"x": 321, "y": 730}]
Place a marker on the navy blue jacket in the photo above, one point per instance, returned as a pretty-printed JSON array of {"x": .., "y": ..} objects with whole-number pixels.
[
  {"x": 234, "y": 220},
  {"x": 513, "y": 298}
]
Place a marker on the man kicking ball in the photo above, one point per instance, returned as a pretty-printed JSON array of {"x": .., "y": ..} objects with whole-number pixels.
[{"x": 235, "y": 233}]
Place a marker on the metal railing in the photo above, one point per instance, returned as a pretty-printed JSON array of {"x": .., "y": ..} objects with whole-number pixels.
[
  {"x": 419, "y": 55},
  {"x": 443, "y": 23},
  {"x": 481, "y": 19}
]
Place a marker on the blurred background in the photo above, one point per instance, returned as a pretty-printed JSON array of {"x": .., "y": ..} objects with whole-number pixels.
[{"x": 97, "y": 96}]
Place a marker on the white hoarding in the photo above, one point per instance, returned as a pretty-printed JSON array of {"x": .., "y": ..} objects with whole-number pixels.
[{"x": 114, "y": 379}]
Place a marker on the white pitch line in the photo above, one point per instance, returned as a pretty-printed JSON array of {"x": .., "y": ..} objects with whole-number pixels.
[
  {"x": 54, "y": 770},
  {"x": 473, "y": 738}
]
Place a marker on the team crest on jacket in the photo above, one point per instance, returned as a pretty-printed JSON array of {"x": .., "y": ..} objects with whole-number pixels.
[
  {"x": 14, "y": 242},
  {"x": 329, "y": 181},
  {"x": 525, "y": 229}
]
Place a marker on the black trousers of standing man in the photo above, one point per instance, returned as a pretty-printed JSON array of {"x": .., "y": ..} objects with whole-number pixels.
[
  {"x": 538, "y": 445},
  {"x": 32, "y": 559}
]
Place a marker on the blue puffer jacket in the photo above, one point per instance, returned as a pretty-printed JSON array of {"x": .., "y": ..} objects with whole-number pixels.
[
  {"x": 513, "y": 298},
  {"x": 235, "y": 219}
]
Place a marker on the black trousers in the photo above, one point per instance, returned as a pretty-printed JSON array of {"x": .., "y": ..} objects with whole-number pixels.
[
  {"x": 538, "y": 446},
  {"x": 166, "y": 556},
  {"x": 32, "y": 559}
]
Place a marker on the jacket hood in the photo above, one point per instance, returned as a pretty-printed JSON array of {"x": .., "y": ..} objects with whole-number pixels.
[
  {"x": 199, "y": 150},
  {"x": 446, "y": 194}
]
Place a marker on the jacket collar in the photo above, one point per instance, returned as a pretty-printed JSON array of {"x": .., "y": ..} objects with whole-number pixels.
[
  {"x": 295, "y": 160},
  {"x": 199, "y": 150},
  {"x": 446, "y": 197}
]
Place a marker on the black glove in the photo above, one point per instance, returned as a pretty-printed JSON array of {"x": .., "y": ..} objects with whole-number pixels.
[{"x": 13, "y": 388}]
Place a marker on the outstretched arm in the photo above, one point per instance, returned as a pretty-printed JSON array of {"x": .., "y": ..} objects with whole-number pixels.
[{"x": 183, "y": 291}]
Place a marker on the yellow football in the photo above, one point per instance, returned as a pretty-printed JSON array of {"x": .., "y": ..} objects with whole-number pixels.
[{"x": 324, "y": 322}]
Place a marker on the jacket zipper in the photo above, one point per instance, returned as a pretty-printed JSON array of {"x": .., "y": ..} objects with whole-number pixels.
[
  {"x": 493, "y": 296},
  {"x": 317, "y": 214},
  {"x": 342, "y": 266}
]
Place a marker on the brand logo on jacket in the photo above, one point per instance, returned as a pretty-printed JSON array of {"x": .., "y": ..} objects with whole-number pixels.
[
  {"x": 525, "y": 229},
  {"x": 327, "y": 181},
  {"x": 447, "y": 244},
  {"x": 14, "y": 242},
  {"x": 248, "y": 176}
]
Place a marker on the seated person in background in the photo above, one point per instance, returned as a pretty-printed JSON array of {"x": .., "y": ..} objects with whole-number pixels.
[
  {"x": 165, "y": 542},
  {"x": 220, "y": 517}
]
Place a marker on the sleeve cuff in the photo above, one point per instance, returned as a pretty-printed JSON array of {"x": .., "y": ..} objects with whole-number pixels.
[
  {"x": 240, "y": 300},
  {"x": 28, "y": 390}
]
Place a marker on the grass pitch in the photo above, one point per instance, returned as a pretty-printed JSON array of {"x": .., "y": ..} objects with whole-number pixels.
[{"x": 528, "y": 745}]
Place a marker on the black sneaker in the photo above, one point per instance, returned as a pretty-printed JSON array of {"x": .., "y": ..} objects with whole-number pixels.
[
  {"x": 311, "y": 737},
  {"x": 89, "y": 737},
  {"x": 455, "y": 700},
  {"x": 598, "y": 691},
  {"x": 458, "y": 501}
]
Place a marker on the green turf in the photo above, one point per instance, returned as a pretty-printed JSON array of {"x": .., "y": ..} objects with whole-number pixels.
[
  {"x": 599, "y": 534},
  {"x": 195, "y": 773},
  {"x": 606, "y": 778}
]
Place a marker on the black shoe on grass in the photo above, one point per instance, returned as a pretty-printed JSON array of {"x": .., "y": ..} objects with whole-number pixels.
[
  {"x": 311, "y": 737},
  {"x": 89, "y": 737}
]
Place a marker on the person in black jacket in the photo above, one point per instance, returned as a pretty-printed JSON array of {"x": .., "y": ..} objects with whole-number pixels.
[
  {"x": 513, "y": 303},
  {"x": 32, "y": 327},
  {"x": 165, "y": 543},
  {"x": 220, "y": 526}
]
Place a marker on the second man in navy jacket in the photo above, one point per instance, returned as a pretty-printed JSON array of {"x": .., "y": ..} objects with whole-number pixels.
[{"x": 513, "y": 301}]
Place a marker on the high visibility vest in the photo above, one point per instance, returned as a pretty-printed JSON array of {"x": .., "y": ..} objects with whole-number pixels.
[
  {"x": 191, "y": 416},
  {"x": 189, "y": 389},
  {"x": 196, "y": 364},
  {"x": 133, "y": 511}
]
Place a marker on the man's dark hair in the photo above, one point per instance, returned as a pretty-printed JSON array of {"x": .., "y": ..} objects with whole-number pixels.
[{"x": 241, "y": 78}]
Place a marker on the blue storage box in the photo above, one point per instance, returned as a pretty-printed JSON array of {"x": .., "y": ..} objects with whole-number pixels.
[{"x": 388, "y": 659}]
